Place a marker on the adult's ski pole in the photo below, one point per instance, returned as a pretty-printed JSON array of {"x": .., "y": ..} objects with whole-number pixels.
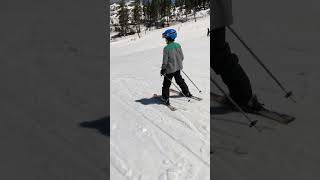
[
  {"x": 191, "y": 81},
  {"x": 288, "y": 94},
  {"x": 252, "y": 123},
  {"x": 176, "y": 87}
]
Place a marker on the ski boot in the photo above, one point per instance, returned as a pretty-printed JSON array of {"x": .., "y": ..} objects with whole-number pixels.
[
  {"x": 189, "y": 95},
  {"x": 165, "y": 101},
  {"x": 253, "y": 105}
]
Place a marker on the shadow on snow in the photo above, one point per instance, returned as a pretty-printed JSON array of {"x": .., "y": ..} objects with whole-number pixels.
[
  {"x": 102, "y": 125},
  {"x": 154, "y": 100}
]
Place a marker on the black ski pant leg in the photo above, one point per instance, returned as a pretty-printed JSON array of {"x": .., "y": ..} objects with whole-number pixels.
[
  {"x": 226, "y": 64},
  {"x": 166, "y": 85},
  {"x": 180, "y": 81},
  {"x": 238, "y": 83}
]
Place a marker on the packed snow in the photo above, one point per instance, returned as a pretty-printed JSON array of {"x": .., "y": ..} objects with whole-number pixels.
[{"x": 148, "y": 140}]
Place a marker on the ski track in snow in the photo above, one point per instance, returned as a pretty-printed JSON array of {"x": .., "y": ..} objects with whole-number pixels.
[{"x": 148, "y": 141}]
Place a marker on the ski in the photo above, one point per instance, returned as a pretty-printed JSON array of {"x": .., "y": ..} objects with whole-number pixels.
[
  {"x": 178, "y": 93},
  {"x": 270, "y": 114},
  {"x": 158, "y": 97}
]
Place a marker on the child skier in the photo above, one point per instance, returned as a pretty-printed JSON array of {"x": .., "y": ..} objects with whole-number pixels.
[{"x": 172, "y": 65}]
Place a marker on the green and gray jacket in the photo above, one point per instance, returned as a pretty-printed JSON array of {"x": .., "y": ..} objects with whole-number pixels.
[{"x": 172, "y": 58}]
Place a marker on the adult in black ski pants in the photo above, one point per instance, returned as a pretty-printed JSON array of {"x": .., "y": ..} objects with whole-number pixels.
[{"x": 225, "y": 63}]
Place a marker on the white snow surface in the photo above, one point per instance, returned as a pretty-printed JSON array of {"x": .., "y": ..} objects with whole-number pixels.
[{"x": 148, "y": 140}]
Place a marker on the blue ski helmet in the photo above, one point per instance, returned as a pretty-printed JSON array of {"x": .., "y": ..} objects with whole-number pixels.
[{"x": 170, "y": 34}]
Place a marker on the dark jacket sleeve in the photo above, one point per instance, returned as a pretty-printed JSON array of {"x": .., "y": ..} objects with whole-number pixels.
[{"x": 222, "y": 13}]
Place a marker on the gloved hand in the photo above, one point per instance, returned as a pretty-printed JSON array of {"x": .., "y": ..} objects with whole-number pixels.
[{"x": 162, "y": 72}]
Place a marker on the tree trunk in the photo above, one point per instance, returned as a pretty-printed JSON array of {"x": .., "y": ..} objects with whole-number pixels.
[{"x": 138, "y": 31}]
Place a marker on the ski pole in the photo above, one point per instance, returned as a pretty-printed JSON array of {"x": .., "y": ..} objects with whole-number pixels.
[
  {"x": 176, "y": 87},
  {"x": 191, "y": 81},
  {"x": 288, "y": 94},
  {"x": 252, "y": 123}
]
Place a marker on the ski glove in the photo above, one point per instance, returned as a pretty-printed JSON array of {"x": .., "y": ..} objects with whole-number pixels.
[{"x": 162, "y": 72}]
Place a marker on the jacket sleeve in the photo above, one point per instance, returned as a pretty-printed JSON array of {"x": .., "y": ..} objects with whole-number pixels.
[
  {"x": 165, "y": 59},
  {"x": 222, "y": 14},
  {"x": 181, "y": 54}
]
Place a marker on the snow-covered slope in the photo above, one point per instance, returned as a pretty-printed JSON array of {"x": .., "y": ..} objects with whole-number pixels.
[{"x": 148, "y": 141}]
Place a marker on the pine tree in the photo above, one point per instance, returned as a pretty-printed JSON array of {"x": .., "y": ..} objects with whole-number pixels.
[
  {"x": 206, "y": 4},
  {"x": 187, "y": 7},
  {"x": 154, "y": 10},
  {"x": 123, "y": 14},
  {"x": 168, "y": 9},
  {"x": 136, "y": 17},
  {"x": 146, "y": 12},
  {"x": 179, "y": 4},
  {"x": 195, "y": 5},
  {"x": 165, "y": 9}
]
